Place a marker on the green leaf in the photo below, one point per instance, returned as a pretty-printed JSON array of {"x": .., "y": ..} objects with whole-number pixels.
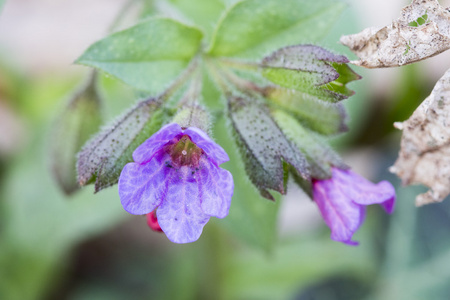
[
  {"x": 263, "y": 146},
  {"x": 346, "y": 75},
  {"x": 254, "y": 28},
  {"x": 310, "y": 69},
  {"x": 318, "y": 154},
  {"x": 103, "y": 158},
  {"x": 147, "y": 56},
  {"x": 323, "y": 117},
  {"x": 203, "y": 13},
  {"x": 295, "y": 267},
  {"x": 311, "y": 60},
  {"x": 80, "y": 119},
  {"x": 40, "y": 229}
]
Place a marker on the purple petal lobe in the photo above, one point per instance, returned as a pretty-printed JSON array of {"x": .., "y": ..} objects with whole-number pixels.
[
  {"x": 389, "y": 205},
  {"x": 364, "y": 192},
  {"x": 216, "y": 189},
  {"x": 141, "y": 187},
  {"x": 180, "y": 214},
  {"x": 340, "y": 214},
  {"x": 148, "y": 149},
  {"x": 202, "y": 140}
]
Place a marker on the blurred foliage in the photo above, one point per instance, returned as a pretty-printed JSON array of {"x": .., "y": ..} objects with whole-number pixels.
[
  {"x": 57, "y": 248},
  {"x": 38, "y": 227},
  {"x": 411, "y": 89},
  {"x": 80, "y": 118}
]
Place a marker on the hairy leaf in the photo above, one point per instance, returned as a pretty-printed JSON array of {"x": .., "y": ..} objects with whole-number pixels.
[
  {"x": 103, "y": 158},
  {"x": 253, "y": 28},
  {"x": 425, "y": 147},
  {"x": 310, "y": 59},
  {"x": 310, "y": 69},
  {"x": 147, "y": 56},
  {"x": 319, "y": 155},
  {"x": 422, "y": 31},
  {"x": 263, "y": 146},
  {"x": 79, "y": 120},
  {"x": 250, "y": 219},
  {"x": 323, "y": 117}
]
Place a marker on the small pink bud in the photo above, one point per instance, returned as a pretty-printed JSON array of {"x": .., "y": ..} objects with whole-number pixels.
[{"x": 152, "y": 221}]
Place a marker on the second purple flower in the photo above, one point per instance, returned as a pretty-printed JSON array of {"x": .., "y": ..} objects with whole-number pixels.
[
  {"x": 343, "y": 198},
  {"x": 177, "y": 171}
]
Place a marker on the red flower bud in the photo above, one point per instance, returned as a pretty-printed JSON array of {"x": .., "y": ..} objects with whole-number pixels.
[{"x": 152, "y": 221}]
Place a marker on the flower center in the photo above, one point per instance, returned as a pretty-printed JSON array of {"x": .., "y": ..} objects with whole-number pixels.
[{"x": 185, "y": 152}]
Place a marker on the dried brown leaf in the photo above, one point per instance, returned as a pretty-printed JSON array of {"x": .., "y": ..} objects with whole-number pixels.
[
  {"x": 425, "y": 147},
  {"x": 422, "y": 31}
]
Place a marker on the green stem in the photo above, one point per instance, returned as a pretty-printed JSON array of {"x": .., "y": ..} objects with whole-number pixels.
[
  {"x": 190, "y": 98},
  {"x": 243, "y": 85},
  {"x": 218, "y": 77},
  {"x": 240, "y": 65},
  {"x": 224, "y": 76},
  {"x": 187, "y": 73},
  {"x": 122, "y": 13}
]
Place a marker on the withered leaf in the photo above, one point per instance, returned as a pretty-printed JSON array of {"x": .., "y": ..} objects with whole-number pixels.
[
  {"x": 425, "y": 147},
  {"x": 263, "y": 146},
  {"x": 102, "y": 159},
  {"x": 422, "y": 31}
]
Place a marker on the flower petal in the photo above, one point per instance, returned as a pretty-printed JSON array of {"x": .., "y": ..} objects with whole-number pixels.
[
  {"x": 180, "y": 214},
  {"x": 389, "y": 205},
  {"x": 342, "y": 215},
  {"x": 148, "y": 149},
  {"x": 216, "y": 188},
  {"x": 141, "y": 187},
  {"x": 363, "y": 191},
  {"x": 202, "y": 140}
]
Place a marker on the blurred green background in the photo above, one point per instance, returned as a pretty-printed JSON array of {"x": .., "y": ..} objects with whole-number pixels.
[{"x": 87, "y": 247}]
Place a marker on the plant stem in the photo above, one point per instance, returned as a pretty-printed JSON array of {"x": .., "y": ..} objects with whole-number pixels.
[
  {"x": 240, "y": 65},
  {"x": 122, "y": 13}
]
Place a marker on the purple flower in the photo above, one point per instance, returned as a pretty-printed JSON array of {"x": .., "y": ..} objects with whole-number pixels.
[
  {"x": 177, "y": 171},
  {"x": 342, "y": 200}
]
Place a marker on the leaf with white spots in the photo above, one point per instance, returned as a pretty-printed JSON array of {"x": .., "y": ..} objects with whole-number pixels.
[
  {"x": 422, "y": 31},
  {"x": 425, "y": 147},
  {"x": 102, "y": 158},
  {"x": 263, "y": 146},
  {"x": 254, "y": 28},
  {"x": 147, "y": 56},
  {"x": 312, "y": 70},
  {"x": 319, "y": 155},
  {"x": 320, "y": 116}
]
